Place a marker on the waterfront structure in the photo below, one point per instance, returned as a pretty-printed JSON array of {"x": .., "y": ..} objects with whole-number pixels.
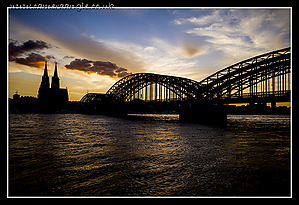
[
  {"x": 262, "y": 79},
  {"x": 53, "y": 96}
]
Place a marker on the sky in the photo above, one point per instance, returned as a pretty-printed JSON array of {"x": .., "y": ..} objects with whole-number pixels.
[{"x": 95, "y": 48}]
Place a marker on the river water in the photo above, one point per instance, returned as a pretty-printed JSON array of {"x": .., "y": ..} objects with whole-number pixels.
[{"x": 95, "y": 155}]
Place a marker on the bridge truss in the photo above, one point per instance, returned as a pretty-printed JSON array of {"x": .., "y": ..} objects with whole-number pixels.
[
  {"x": 94, "y": 97},
  {"x": 263, "y": 75},
  {"x": 150, "y": 86}
]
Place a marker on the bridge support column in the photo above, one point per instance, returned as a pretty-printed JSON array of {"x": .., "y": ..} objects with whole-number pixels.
[
  {"x": 203, "y": 113},
  {"x": 273, "y": 102}
]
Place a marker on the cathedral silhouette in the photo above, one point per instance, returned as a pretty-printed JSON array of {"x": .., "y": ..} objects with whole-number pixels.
[{"x": 54, "y": 97}]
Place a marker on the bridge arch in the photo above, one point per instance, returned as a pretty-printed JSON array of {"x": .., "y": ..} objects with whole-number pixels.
[
  {"x": 266, "y": 73},
  {"x": 161, "y": 86},
  {"x": 94, "y": 97}
]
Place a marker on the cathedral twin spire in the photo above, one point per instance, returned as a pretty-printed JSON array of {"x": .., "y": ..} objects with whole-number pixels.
[
  {"x": 45, "y": 78},
  {"x": 55, "y": 79}
]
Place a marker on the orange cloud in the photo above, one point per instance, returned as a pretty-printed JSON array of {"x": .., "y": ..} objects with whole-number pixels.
[
  {"x": 99, "y": 67},
  {"x": 32, "y": 59}
]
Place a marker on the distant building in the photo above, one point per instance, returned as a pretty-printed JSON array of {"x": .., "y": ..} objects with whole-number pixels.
[
  {"x": 54, "y": 97},
  {"x": 23, "y": 104},
  {"x": 16, "y": 96}
]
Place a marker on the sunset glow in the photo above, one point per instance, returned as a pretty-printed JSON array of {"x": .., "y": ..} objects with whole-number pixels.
[{"x": 94, "y": 48}]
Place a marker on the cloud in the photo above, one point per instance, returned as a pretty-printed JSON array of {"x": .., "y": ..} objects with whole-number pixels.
[
  {"x": 202, "y": 20},
  {"x": 78, "y": 45},
  {"x": 192, "y": 48},
  {"x": 87, "y": 47},
  {"x": 31, "y": 59},
  {"x": 183, "y": 48},
  {"x": 99, "y": 67},
  {"x": 241, "y": 33},
  {"x": 68, "y": 57},
  {"x": 16, "y": 50}
]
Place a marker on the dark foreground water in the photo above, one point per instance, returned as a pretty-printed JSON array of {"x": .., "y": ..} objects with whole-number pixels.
[{"x": 74, "y": 154}]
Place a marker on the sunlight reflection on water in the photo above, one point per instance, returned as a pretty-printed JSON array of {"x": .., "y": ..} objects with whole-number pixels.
[{"x": 74, "y": 154}]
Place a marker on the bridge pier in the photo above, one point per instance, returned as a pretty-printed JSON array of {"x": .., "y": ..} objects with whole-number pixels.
[
  {"x": 273, "y": 101},
  {"x": 273, "y": 104},
  {"x": 203, "y": 113}
]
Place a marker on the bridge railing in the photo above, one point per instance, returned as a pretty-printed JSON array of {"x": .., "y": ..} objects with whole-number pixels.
[{"x": 269, "y": 94}]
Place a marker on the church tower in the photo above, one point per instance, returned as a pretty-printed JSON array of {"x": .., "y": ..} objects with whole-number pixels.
[
  {"x": 54, "y": 98},
  {"x": 45, "y": 78},
  {"x": 55, "y": 79}
]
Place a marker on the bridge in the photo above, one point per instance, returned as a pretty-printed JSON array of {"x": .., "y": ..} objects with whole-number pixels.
[{"x": 260, "y": 79}]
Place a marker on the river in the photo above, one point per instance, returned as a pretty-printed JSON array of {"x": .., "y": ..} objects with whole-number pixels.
[{"x": 156, "y": 155}]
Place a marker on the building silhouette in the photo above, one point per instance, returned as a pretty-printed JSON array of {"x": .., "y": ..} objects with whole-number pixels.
[
  {"x": 53, "y": 98},
  {"x": 55, "y": 79}
]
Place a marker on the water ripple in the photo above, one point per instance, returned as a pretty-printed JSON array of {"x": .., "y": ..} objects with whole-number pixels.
[{"x": 74, "y": 154}]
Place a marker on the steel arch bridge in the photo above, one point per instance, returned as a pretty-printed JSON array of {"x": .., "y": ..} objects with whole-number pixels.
[
  {"x": 263, "y": 76},
  {"x": 94, "y": 97},
  {"x": 154, "y": 87}
]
